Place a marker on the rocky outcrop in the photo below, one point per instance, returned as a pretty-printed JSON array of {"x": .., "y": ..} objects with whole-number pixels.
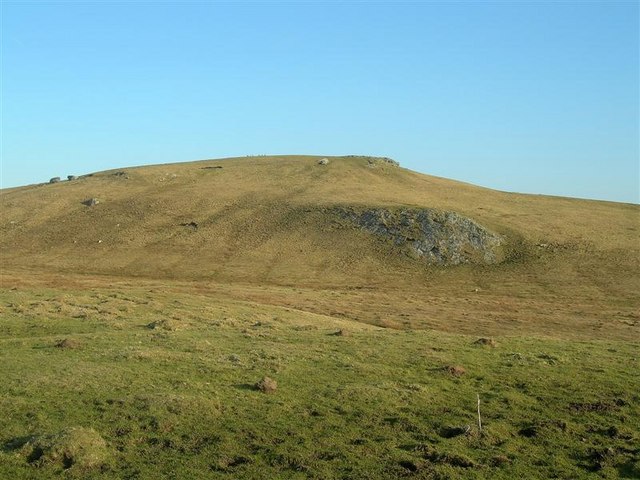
[
  {"x": 437, "y": 237},
  {"x": 376, "y": 161}
]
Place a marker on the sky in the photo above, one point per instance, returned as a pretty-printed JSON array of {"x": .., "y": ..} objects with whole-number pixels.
[{"x": 539, "y": 97}]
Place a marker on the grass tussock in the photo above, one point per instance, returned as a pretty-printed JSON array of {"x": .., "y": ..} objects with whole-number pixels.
[
  {"x": 266, "y": 385},
  {"x": 77, "y": 449}
]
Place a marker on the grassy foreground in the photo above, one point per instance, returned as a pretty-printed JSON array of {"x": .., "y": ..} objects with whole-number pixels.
[{"x": 151, "y": 383}]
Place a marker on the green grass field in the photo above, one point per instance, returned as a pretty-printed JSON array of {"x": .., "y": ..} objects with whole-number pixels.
[{"x": 166, "y": 381}]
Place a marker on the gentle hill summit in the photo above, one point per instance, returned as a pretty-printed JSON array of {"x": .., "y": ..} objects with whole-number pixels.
[{"x": 324, "y": 222}]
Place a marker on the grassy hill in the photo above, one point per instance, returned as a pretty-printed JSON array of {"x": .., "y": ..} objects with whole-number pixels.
[
  {"x": 134, "y": 330},
  {"x": 271, "y": 221}
]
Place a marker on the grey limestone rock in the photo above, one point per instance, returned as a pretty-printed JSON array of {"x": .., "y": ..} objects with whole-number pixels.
[
  {"x": 437, "y": 237},
  {"x": 377, "y": 161}
]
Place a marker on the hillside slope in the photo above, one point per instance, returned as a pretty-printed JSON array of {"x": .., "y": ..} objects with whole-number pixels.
[{"x": 280, "y": 221}]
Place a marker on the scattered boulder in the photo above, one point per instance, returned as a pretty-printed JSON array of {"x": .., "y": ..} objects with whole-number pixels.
[
  {"x": 54, "y": 180},
  {"x": 212, "y": 167},
  {"x": 90, "y": 202},
  {"x": 455, "y": 370},
  {"x": 71, "y": 177},
  {"x": 266, "y": 385},
  {"x": 323, "y": 161},
  {"x": 75, "y": 448},
  {"x": 193, "y": 225}
]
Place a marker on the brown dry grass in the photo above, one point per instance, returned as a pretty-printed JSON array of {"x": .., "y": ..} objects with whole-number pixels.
[
  {"x": 266, "y": 385},
  {"x": 264, "y": 235}
]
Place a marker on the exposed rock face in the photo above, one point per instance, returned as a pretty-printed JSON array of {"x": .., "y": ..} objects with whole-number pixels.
[
  {"x": 374, "y": 161},
  {"x": 437, "y": 237}
]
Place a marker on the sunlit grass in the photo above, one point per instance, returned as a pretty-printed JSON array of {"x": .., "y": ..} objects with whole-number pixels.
[{"x": 180, "y": 402}]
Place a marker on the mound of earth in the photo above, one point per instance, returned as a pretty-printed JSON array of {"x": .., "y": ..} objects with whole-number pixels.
[{"x": 77, "y": 447}]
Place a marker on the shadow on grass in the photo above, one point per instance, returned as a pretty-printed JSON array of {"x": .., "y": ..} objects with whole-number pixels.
[
  {"x": 245, "y": 386},
  {"x": 628, "y": 470},
  {"x": 16, "y": 443}
]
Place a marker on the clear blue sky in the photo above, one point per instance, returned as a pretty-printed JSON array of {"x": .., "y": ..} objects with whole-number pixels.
[{"x": 530, "y": 97}]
